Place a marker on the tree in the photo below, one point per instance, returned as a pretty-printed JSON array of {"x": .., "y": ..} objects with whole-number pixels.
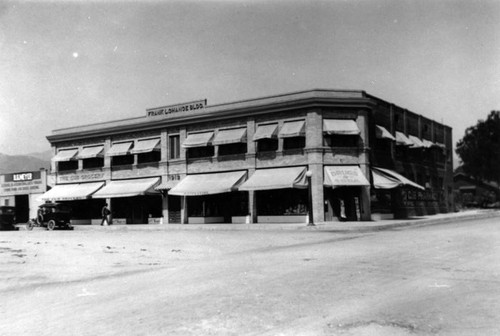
[{"x": 479, "y": 149}]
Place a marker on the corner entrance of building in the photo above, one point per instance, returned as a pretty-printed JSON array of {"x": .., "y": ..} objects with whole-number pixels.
[
  {"x": 22, "y": 208},
  {"x": 342, "y": 204}
]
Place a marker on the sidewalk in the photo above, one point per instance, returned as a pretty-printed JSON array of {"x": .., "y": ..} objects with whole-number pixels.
[{"x": 340, "y": 227}]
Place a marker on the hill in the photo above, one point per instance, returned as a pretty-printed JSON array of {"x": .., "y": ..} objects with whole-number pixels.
[{"x": 23, "y": 163}]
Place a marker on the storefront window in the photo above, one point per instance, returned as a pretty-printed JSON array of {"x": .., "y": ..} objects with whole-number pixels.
[
  {"x": 281, "y": 203},
  {"x": 93, "y": 163},
  {"x": 67, "y": 165},
  {"x": 335, "y": 140}
]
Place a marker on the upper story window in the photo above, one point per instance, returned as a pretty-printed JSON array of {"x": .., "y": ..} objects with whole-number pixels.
[
  {"x": 92, "y": 157},
  {"x": 199, "y": 145},
  {"x": 341, "y": 132},
  {"x": 120, "y": 153},
  {"x": 231, "y": 141},
  {"x": 266, "y": 136},
  {"x": 293, "y": 134},
  {"x": 147, "y": 150},
  {"x": 66, "y": 159},
  {"x": 174, "y": 147}
]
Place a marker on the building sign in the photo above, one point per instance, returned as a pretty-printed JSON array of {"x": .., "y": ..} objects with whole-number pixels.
[
  {"x": 22, "y": 183},
  {"x": 167, "y": 110},
  {"x": 83, "y": 177}
]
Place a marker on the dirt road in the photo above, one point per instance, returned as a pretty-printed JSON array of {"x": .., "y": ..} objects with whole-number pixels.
[{"x": 439, "y": 280}]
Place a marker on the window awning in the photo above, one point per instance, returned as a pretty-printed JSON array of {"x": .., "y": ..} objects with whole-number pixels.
[
  {"x": 269, "y": 131},
  {"x": 208, "y": 184},
  {"x": 384, "y": 181},
  {"x": 383, "y": 133},
  {"x": 276, "y": 178},
  {"x": 146, "y": 146},
  {"x": 65, "y": 155},
  {"x": 416, "y": 142},
  {"x": 402, "y": 139},
  {"x": 198, "y": 139},
  {"x": 121, "y": 148},
  {"x": 293, "y": 129},
  {"x": 128, "y": 188},
  {"x": 340, "y": 127},
  {"x": 91, "y": 152},
  {"x": 229, "y": 136},
  {"x": 344, "y": 176},
  {"x": 167, "y": 185},
  {"x": 427, "y": 143},
  {"x": 392, "y": 174},
  {"x": 69, "y": 192}
]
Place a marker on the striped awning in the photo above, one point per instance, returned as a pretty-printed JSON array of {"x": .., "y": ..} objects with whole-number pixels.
[
  {"x": 416, "y": 142},
  {"x": 340, "y": 127},
  {"x": 73, "y": 191},
  {"x": 293, "y": 129},
  {"x": 198, "y": 139},
  {"x": 402, "y": 139},
  {"x": 128, "y": 188},
  {"x": 393, "y": 175},
  {"x": 91, "y": 152},
  {"x": 146, "y": 146},
  {"x": 229, "y": 136},
  {"x": 276, "y": 178},
  {"x": 121, "y": 148},
  {"x": 65, "y": 155},
  {"x": 383, "y": 133},
  {"x": 209, "y": 184},
  {"x": 268, "y": 131}
]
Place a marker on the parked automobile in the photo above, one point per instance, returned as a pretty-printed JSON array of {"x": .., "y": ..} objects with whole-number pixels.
[
  {"x": 7, "y": 218},
  {"x": 51, "y": 216}
]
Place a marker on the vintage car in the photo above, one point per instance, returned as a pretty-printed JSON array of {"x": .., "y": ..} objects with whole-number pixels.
[
  {"x": 7, "y": 218},
  {"x": 51, "y": 216}
]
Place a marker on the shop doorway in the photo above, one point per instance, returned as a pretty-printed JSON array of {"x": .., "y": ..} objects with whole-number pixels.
[
  {"x": 22, "y": 208},
  {"x": 342, "y": 204}
]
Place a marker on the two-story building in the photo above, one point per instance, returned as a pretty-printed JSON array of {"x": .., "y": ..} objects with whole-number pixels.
[{"x": 343, "y": 155}]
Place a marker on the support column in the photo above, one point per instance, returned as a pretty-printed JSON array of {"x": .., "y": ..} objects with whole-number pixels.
[
  {"x": 110, "y": 207},
  {"x": 164, "y": 206},
  {"x": 184, "y": 217},
  {"x": 364, "y": 163},
  {"x": 314, "y": 150}
]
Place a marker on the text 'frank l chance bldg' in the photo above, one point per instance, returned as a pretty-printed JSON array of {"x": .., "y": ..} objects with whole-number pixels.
[{"x": 257, "y": 161}]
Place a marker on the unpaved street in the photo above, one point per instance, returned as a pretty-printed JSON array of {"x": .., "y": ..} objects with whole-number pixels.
[{"x": 436, "y": 280}]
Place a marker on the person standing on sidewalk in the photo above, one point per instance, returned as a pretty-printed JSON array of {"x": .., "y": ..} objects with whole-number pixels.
[{"x": 105, "y": 214}]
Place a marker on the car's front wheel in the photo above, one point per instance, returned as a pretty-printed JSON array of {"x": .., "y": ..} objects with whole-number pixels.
[
  {"x": 30, "y": 225},
  {"x": 51, "y": 225}
]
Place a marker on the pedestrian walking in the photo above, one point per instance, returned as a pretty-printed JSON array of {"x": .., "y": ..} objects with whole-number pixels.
[{"x": 105, "y": 214}]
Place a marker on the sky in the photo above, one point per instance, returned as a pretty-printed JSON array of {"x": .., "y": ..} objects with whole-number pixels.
[{"x": 71, "y": 63}]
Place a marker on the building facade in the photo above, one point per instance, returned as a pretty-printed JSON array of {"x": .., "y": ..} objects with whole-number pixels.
[{"x": 336, "y": 155}]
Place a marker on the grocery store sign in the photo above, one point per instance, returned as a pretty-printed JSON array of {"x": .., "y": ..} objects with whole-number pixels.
[
  {"x": 165, "y": 111},
  {"x": 82, "y": 177}
]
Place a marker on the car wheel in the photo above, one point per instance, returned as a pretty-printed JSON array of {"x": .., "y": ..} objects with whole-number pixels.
[
  {"x": 30, "y": 225},
  {"x": 51, "y": 225}
]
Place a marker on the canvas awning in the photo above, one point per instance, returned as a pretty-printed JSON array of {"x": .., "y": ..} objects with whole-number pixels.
[
  {"x": 427, "y": 143},
  {"x": 167, "y": 185},
  {"x": 91, "y": 152},
  {"x": 276, "y": 178},
  {"x": 293, "y": 129},
  {"x": 344, "y": 176},
  {"x": 65, "y": 155},
  {"x": 121, "y": 148},
  {"x": 384, "y": 181},
  {"x": 416, "y": 142},
  {"x": 392, "y": 174},
  {"x": 402, "y": 139},
  {"x": 340, "y": 127},
  {"x": 269, "y": 131},
  {"x": 229, "y": 136},
  {"x": 128, "y": 188},
  {"x": 198, "y": 139},
  {"x": 208, "y": 184},
  {"x": 383, "y": 133},
  {"x": 146, "y": 146},
  {"x": 69, "y": 192}
]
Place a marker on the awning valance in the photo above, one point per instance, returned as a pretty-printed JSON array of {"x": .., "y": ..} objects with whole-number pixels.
[
  {"x": 208, "y": 184},
  {"x": 392, "y": 174},
  {"x": 416, "y": 142},
  {"x": 293, "y": 129},
  {"x": 344, "y": 176},
  {"x": 65, "y": 155},
  {"x": 69, "y": 192},
  {"x": 91, "y": 152},
  {"x": 383, "y": 133},
  {"x": 276, "y": 178},
  {"x": 402, "y": 139},
  {"x": 121, "y": 148},
  {"x": 198, "y": 139},
  {"x": 340, "y": 127},
  {"x": 269, "y": 131},
  {"x": 146, "y": 146},
  {"x": 384, "y": 181},
  {"x": 128, "y": 188},
  {"x": 229, "y": 136}
]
